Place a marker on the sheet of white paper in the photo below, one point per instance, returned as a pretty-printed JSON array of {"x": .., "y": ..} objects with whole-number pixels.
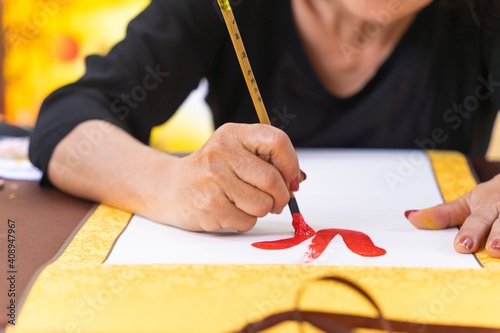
[
  {"x": 362, "y": 190},
  {"x": 19, "y": 169},
  {"x": 14, "y": 162}
]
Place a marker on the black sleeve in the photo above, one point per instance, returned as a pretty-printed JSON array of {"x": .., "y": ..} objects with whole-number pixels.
[
  {"x": 168, "y": 48},
  {"x": 492, "y": 46},
  {"x": 494, "y": 69}
]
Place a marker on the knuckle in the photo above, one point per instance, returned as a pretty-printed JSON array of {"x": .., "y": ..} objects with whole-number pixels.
[
  {"x": 210, "y": 226},
  {"x": 282, "y": 201},
  {"x": 212, "y": 166},
  {"x": 271, "y": 179},
  {"x": 496, "y": 180},
  {"x": 213, "y": 171},
  {"x": 282, "y": 138},
  {"x": 227, "y": 130},
  {"x": 279, "y": 138},
  {"x": 210, "y": 221},
  {"x": 201, "y": 201},
  {"x": 224, "y": 128},
  {"x": 213, "y": 151},
  {"x": 224, "y": 139},
  {"x": 205, "y": 199},
  {"x": 247, "y": 224},
  {"x": 229, "y": 126},
  {"x": 482, "y": 219},
  {"x": 263, "y": 205}
]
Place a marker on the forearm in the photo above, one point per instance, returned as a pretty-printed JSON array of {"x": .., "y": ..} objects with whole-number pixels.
[
  {"x": 101, "y": 162},
  {"x": 242, "y": 172}
]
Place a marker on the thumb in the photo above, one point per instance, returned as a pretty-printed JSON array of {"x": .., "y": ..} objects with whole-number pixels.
[{"x": 446, "y": 215}]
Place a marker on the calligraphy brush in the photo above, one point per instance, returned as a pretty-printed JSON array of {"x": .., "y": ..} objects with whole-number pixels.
[{"x": 239, "y": 48}]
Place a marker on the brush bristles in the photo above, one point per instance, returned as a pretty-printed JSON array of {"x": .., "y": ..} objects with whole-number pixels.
[{"x": 294, "y": 207}]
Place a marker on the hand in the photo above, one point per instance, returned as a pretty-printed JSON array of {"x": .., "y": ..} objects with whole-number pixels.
[
  {"x": 241, "y": 173},
  {"x": 478, "y": 214}
]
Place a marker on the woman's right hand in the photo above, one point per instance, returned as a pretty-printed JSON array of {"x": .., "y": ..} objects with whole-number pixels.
[{"x": 241, "y": 173}]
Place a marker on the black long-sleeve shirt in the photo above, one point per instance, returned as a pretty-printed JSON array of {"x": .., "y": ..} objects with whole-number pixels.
[{"x": 440, "y": 87}]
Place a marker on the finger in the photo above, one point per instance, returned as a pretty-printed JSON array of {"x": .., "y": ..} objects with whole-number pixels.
[
  {"x": 213, "y": 210},
  {"x": 302, "y": 176},
  {"x": 248, "y": 198},
  {"x": 493, "y": 242},
  {"x": 231, "y": 217},
  {"x": 273, "y": 144},
  {"x": 442, "y": 216},
  {"x": 475, "y": 229},
  {"x": 265, "y": 177}
]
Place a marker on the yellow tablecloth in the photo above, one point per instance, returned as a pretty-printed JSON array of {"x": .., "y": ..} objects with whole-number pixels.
[{"x": 76, "y": 293}]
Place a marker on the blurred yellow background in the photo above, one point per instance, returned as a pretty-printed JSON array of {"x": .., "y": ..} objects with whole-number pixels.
[{"x": 47, "y": 42}]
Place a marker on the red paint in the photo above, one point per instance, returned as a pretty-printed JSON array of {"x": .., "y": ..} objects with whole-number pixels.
[
  {"x": 356, "y": 241},
  {"x": 302, "y": 232}
]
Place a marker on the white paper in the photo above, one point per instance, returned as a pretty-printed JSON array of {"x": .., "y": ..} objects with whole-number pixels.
[
  {"x": 19, "y": 169},
  {"x": 362, "y": 190},
  {"x": 14, "y": 162}
]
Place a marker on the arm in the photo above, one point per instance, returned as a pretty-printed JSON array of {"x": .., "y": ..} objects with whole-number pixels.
[
  {"x": 90, "y": 139},
  {"x": 241, "y": 173},
  {"x": 141, "y": 82},
  {"x": 101, "y": 162}
]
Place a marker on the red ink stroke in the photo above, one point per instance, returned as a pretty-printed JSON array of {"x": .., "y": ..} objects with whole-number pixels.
[
  {"x": 302, "y": 233},
  {"x": 356, "y": 241}
]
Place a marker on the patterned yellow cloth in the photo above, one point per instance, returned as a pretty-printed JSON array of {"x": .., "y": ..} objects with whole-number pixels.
[
  {"x": 77, "y": 293},
  {"x": 455, "y": 179}
]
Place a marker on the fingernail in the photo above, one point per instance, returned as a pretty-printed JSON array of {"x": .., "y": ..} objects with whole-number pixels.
[
  {"x": 409, "y": 212},
  {"x": 294, "y": 185},
  {"x": 466, "y": 242},
  {"x": 495, "y": 245},
  {"x": 279, "y": 212},
  {"x": 303, "y": 175}
]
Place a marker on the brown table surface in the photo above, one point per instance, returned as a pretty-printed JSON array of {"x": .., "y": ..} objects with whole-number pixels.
[{"x": 45, "y": 218}]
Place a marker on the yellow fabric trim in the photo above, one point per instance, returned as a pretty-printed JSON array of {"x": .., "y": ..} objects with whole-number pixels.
[
  {"x": 78, "y": 294},
  {"x": 454, "y": 178},
  {"x": 85, "y": 253},
  {"x": 452, "y": 173},
  {"x": 93, "y": 242}
]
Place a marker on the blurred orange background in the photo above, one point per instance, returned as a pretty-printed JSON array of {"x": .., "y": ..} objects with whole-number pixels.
[{"x": 46, "y": 42}]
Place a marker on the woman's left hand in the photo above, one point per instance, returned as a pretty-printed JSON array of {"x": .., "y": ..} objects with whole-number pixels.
[{"x": 476, "y": 211}]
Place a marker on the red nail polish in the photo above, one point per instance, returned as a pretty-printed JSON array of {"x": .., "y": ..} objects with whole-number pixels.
[
  {"x": 466, "y": 242},
  {"x": 294, "y": 185},
  {"x": 409, "y": 212},
  {"x": 495, "y": 244}
]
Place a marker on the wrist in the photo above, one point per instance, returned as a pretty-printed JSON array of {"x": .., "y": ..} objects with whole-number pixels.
[{"x": 155, "y": 184}]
